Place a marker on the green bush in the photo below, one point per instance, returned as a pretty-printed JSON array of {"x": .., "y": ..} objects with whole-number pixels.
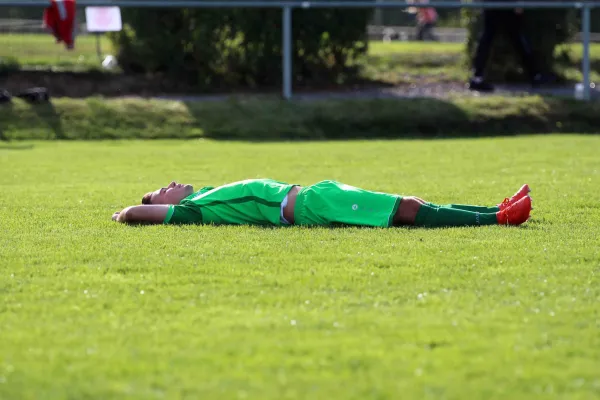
[
  {"x": 214, "y": 47},
  {"x": 8, "y": 65},
  {"x": 545, "y": 28}
]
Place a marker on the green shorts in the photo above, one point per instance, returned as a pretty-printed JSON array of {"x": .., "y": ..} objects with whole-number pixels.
[{"x": 333, "y": 203}]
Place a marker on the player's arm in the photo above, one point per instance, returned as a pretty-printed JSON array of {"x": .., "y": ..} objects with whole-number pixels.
[{"x": 144, "y": 214}]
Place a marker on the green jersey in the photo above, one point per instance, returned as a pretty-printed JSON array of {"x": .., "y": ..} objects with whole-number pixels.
[{"x": 248, "y": 202}]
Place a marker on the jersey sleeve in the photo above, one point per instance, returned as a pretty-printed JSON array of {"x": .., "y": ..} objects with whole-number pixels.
[{"x": 186, "y": 213}]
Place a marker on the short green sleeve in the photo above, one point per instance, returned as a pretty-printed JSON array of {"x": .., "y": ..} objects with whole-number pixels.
[
  {"x": 169, "y": 214},
  {"x": 186, "y": 213}
]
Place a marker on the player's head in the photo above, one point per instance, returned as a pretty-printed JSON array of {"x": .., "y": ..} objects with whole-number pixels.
[{"x": 171, "y": 194}]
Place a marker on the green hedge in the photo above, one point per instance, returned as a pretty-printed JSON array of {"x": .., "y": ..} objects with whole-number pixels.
[
  {"x": 268, "y": 119},
  {"x": 209, "y": 47}
]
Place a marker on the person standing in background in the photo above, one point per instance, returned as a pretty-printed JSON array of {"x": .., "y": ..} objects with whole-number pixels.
[
  {"x": 426, "y": 19},
  {"x": 511, "y": 22}
]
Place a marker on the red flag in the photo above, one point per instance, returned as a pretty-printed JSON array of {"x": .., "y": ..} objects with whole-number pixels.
[{"x": 59, "y": 18}]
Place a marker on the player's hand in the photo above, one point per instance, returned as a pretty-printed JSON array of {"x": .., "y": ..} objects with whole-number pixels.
[{"x": 115, "y": 216}]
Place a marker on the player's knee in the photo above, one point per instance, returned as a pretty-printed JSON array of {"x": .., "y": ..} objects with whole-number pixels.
[{"x": 407, "y": 211}]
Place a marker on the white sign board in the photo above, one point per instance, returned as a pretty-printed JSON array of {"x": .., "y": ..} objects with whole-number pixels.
[{"x": 103, "y": 19}]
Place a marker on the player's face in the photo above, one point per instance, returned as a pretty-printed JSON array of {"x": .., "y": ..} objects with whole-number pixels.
[{"x": 171, "y": 194}]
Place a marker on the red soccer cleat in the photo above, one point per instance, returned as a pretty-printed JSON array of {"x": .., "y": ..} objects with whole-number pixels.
[
  {"x": 524, "y": 191},
  {"x": 515, "y": 214}
]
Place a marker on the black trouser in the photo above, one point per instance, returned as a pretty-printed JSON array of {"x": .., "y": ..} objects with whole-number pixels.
[
  {"x": 425, "y": 31},
  {"x": 511, "y": 23}
]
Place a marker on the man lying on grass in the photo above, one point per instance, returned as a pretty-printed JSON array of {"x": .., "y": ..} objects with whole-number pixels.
[{"x": 326, "y": 203}]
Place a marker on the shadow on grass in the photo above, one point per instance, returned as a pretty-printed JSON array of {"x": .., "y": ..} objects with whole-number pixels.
[
  {"x": 410, "y": 61},
  {"x": 5, "y": 109},
  {"x": 322, "y": 119},
  {"x": 416, "y": 118},
  {"x": 17, "y": 121},
  {"x": 594, "y": 65},
  {"x": 335, "y": 227},
  {"x": 345, "y": 116},
  {"x": 16, "y": 147},
  {"x": 47, "y": 113}
]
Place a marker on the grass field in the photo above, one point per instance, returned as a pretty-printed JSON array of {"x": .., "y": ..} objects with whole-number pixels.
[
  {"x": 32, "y": 50},
  {"x": 396, "y": 62},
  {"x": 92, "y": 309},
  {"x": 407, "y": 62}
]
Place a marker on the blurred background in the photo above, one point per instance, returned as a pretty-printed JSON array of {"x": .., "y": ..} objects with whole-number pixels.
[{"x": 199, "y": 51}]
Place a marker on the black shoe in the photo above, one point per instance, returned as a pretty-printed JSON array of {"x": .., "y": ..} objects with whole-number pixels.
[
  {"x": 5, "y": 97},
  {"x": 480, "y": 86},
  {"x": 34, "y": 95},
  {"x": 541, "y": 79}
]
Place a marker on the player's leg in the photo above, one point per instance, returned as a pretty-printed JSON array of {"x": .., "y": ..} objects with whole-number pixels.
[
  {"x": 408, "y": 210},
  {"x": 514, "y": 210},
  {"x": 429, "y": 34},
  {"x": 420, "y": 32},
  {"x": 413, "y": 212},
  {"x": 5, "y": 96},
  {"x": 507, "y": 202},
  {"x": 468, "y": 207},
  {"x": 465, "y": 207},
  {"x": 329, "y": 202}
]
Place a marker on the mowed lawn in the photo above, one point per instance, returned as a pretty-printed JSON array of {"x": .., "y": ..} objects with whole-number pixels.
[
  {"x": 93, "y": 309},
  {"x": 38, "y": 50},
  {"x": 414, "y": 62}
]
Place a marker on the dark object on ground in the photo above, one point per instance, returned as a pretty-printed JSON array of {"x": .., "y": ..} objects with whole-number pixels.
[
  {"x": 5, "y": 97},
  {"x": 425, "y": 32},
  {"x": 34, "y": 95},
  {"x": 543, "y": 79},
  {"x": 481, "y": 85}
]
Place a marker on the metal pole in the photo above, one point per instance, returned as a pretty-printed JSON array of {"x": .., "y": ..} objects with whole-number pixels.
[
  {"x": 586, "y": 51},
  {"x": 287, "y": 52},
  {"x": 98, "y": 49},
  {"x": 304, "y": 4}
]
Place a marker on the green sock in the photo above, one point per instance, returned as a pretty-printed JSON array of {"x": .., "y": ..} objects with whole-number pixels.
[
  {"x": 432, "y": 216},
  {"x": 466, "y": 207}
]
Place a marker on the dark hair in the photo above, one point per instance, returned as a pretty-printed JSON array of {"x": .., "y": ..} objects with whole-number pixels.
[{"x": 146, "y": 199}]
